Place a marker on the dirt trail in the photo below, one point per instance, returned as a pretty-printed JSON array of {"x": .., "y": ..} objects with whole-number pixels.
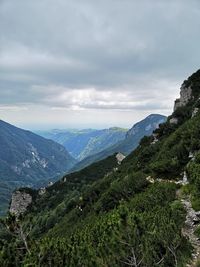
[{"x": 191, "y": 223}]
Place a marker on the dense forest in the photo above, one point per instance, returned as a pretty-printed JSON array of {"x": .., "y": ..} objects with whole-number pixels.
[{"x": 117, "y": 214}]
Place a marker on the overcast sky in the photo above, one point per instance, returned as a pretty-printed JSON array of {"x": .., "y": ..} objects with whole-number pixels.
[{"x": 91, "y": 63}]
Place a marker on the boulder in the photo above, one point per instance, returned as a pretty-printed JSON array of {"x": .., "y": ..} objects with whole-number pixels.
[{"x": 20, "y": 202}]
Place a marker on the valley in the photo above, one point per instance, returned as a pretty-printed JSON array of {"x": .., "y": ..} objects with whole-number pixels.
[
  {"x": 28, "y": 160},
  {"x": 139, "y": 211}
]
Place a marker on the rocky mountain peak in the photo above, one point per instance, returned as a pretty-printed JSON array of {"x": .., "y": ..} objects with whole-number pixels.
[{"x": 147, "y": 125}]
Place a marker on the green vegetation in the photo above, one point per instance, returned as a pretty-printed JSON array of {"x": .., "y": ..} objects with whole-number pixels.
[
  {"x": 111, "y": 215},
  {"x": 133, "y": 136},
  {"x": 27, "y": 159},
  {"x": 86, "y": 142}
]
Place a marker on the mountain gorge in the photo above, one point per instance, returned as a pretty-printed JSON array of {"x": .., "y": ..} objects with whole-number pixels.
[
  {"x": 84, "y": 143},
  {"x": 132, "y": 212},
  {"x": 27, "y": 159}
]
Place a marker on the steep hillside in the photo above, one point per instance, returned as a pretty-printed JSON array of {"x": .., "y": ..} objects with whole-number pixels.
[
  {"x": 86, "y": 142},
  {"x": 129, "y": 213},
  {"x": 27, "y": 159},
  {"x": 129, "y": 143}
]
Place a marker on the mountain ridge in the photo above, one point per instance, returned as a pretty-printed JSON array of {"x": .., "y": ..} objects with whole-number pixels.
[
  {"x": 126, "y": 146},
  {"x": 85, "y": 142},
  {"x": 27, "y": 159}
]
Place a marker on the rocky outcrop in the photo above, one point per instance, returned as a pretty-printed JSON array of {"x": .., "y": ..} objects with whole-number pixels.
[
  {"x": 42, "y": 191},
  {"x": 185, "y": 179},
  {"x": 120, "y": 157},
  {"x": 185, "y": 96},
  {"x": 20, "y": 202},
  {"x": 173, "y": 120},
  {"x": 194, "y": 112},
  {"x": 155, "y": 139},
  {"x": 191, "y": 223}
]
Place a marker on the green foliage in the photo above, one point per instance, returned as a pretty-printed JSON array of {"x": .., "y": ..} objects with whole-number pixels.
[
  {"x": 193, "y": 170},
  {"x": 23, "y": 156},
  {"x": 197, "y": 232},
  {"x": 109, "y": 239},
  {"x": 108, "y": 216}
]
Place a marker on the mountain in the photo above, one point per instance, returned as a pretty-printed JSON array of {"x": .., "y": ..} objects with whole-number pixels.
[
  {"x": 73, "y": 140},
  {"x": 132, "y": 138},
  {"x": 142, "y": 211},
  {"x": 27, "y": 159},
  {"x": 84, "y": 143}
]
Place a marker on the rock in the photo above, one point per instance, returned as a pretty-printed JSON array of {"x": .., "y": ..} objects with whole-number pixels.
[
  {"x": 150, "y": 179},
  {"x": 191, "y": 156},
  {"x": 50, "y": 184},
  {"x": 198, "y": 214},
  {"x": 185, "y": 96},
  {"x": 195, "y": 111},
  {"x": 20, "y": 202},
  {"x": 185, "y": 179},
  {"x": 42, "y": 191},
  {"x": 120, "y": 157},
  {"x": 155, "y": 139},
  {"x": 173, "y": 120}
]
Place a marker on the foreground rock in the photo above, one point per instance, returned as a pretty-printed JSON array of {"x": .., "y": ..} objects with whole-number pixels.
[
  {"x": 191, "y": 224},
  {"x": 20, "y": 201}
]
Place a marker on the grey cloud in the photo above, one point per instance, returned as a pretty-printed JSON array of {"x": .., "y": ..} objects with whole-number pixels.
[{"x": 143, "y": 48}]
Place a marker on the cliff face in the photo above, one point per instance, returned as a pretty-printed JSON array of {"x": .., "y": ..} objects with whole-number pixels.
[
  {"x": 185, "y": 97},
  {"x": 20, "y": 202}
]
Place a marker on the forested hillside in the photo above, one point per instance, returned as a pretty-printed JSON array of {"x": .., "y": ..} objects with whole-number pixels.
[
  {"x": 133, "y": 136},
  {"x": 128, "y": 213},
  {"x": 84, "y": 143},
  {"x": 27, "y": 159}
]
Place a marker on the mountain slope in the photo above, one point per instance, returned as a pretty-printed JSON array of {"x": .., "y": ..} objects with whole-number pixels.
[
  {"x": 27, "y": 159},
  {"x": 126, "y": 215},
  {"x": 130, "y": 142},
  {"x": 83, "y": 143}
]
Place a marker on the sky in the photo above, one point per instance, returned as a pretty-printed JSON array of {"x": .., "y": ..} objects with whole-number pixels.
[{"x": 91, "y": 63}]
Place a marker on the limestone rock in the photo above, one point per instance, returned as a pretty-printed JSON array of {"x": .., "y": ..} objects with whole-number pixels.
[
  {"x": 20, "y": 202},
  {"x": 185, "y": 179},
  {"x": 150, "y": 179},
  {"x": 195, "y": 111},
  {"x": 120, "y": 157},
  {"x": 42, "y": 191},
  {"x": 50, "y": 184},
  {"x": 155, "y": 139},
  {"x": 173, "y": 120},
  {"x": 185, "y": 96}
]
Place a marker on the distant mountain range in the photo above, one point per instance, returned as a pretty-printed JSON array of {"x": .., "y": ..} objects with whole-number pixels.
[
  {"x": 84, "y": 143},
  {"x": 27, "y": 159},
  {"x": 129, "y": 143}
]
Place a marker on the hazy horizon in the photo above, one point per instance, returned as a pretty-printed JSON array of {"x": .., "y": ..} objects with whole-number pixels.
[
  {"x": 37, "y": 128},
  {"x": 94, "y": 64}
]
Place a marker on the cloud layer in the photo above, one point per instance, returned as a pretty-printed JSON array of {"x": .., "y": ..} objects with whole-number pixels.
[{"x": 108, "y": 55}]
